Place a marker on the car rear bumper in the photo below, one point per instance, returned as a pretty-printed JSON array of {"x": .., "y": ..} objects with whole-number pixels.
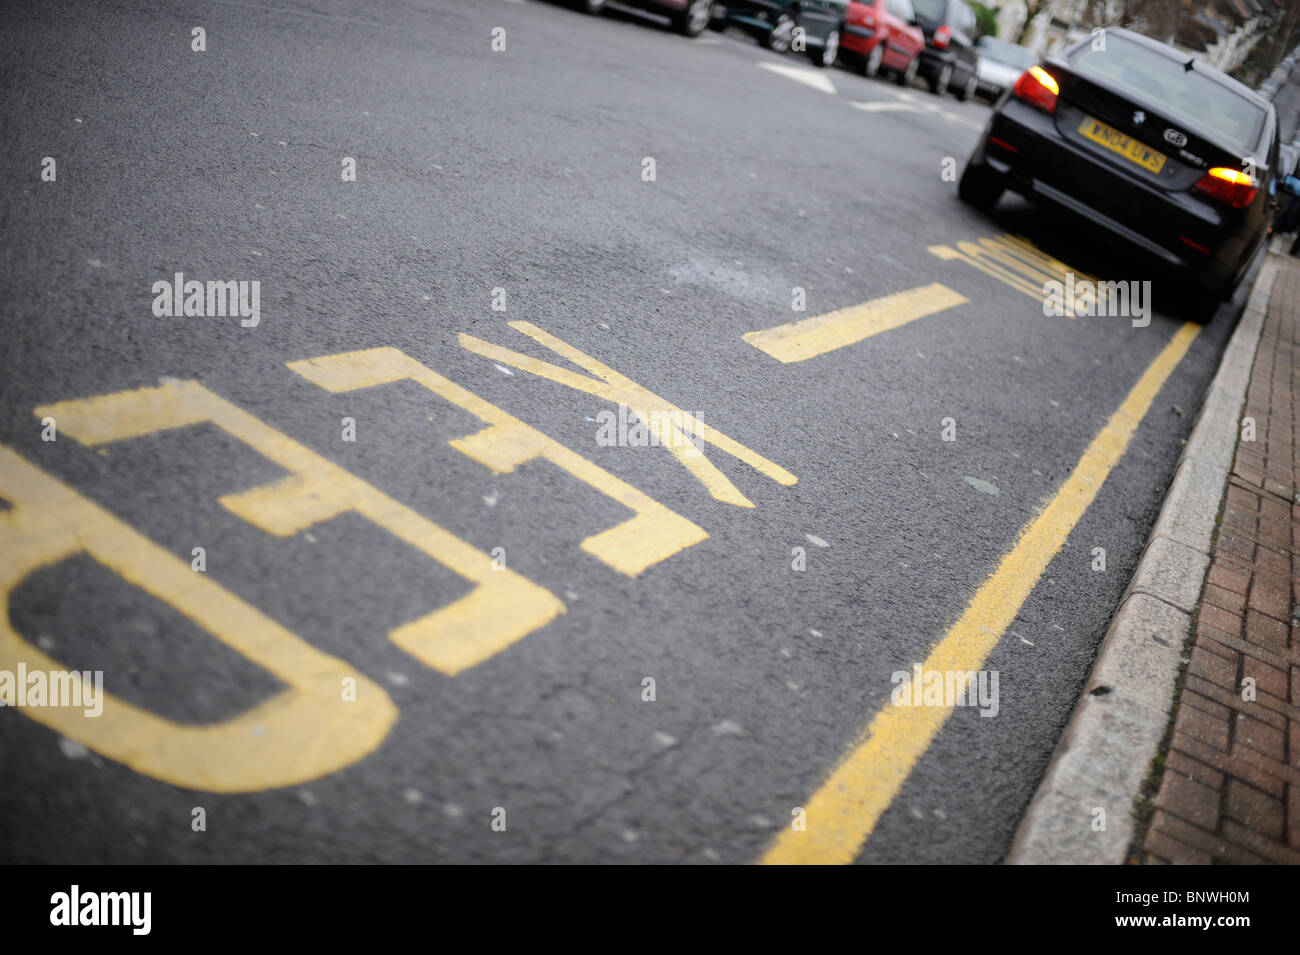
[{"x": 1045, "y": 166}]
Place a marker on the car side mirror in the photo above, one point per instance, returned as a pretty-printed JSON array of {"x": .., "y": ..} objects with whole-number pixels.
[{"x": 1291, "y": 185}]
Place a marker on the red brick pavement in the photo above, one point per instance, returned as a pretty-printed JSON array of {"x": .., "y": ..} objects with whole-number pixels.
[{"x": 1230, "y": 791}]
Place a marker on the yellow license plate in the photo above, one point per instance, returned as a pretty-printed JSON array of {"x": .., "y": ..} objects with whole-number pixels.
[{"x": 1125, "y": 145}]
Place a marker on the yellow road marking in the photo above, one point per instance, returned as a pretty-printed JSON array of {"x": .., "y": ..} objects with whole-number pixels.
[
  {"x": 843, "y": 812},
  {"x": 1013, "y": 260},
  {"x": 654, "y": 534},
  {"x": 303, "y": 732},
  {"x": 810, "y": 337},
  {"x": 659, "y": 416},
  {"x": 503, "y": 607}
]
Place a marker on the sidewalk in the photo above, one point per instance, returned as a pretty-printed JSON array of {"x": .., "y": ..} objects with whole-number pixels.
[{"x": 1230, "y": 787}]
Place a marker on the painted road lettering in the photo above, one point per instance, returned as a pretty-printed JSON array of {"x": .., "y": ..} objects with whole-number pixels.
[
  {"x": 502, "y": 608},
  {"x": 612, "y": 386},
  {"x": 1015, "y": 261},
  {"x": 304, "y": 732},
  {"x": 654, "y": 534},
  {"x": 810, "y": 337}
]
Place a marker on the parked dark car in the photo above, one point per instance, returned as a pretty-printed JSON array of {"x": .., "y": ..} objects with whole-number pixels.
[
  {"x": 688, "y": 16},
  {"x": 773, "y": 23},
  {"x": 883, "y": 35},
  {"x": 1000, "y": 65},
  {"x": 949, "y": 60},
  {"x": 1160, "y": 150}
]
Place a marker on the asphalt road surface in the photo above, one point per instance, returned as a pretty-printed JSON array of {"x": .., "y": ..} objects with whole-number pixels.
[{"x": 299, "y": 689}]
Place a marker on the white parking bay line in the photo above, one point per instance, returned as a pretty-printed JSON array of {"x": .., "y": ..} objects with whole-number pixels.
[
  {"x": 817, "y": 79},
  {"x": 884, "y": 106}
]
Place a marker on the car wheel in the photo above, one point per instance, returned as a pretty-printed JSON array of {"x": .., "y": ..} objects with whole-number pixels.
[
  {"x": 693, "y": 20},
  {"x": 939, "y": 84},
  {"x": 1202, "y": 304},
  {"x": 968, "y": 91},
  {"x": 829, "y": 50},
  {"x": 908, "y": 76},
  {"x": 871, "y": 65},
  {"x": 778, "y": 38},
  {"x": 979, "y": 187}
]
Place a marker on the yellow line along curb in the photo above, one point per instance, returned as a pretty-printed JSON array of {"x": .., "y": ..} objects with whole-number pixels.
[{"x": 844, "y": 810}]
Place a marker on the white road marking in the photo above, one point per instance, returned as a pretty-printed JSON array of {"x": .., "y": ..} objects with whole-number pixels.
[
  {"x": 817, "y": 79},
  {"x": 911, "y": 105},
  {"x": 885, "y": 107}
]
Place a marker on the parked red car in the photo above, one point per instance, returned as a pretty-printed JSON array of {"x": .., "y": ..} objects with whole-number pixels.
[{"x": 883, "y": 35}]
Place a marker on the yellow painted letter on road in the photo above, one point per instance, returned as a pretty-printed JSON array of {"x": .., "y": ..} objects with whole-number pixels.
[
  {"x": 304, "y": 732},
  {"x": 810, "y": 337},
  {"x": 502, "y": 608},
  {"x": 653, "y": 534},
  {"x": 670, "y": 425}
]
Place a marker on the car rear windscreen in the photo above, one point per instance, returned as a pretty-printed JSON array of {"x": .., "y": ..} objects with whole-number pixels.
[
  {"x": 1150, "y": 77},
  {"x": 932, "y": 9}
]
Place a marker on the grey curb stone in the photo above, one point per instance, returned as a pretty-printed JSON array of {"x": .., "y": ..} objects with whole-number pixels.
[
  {"x": 1105, "y": 753},
  {"x": 1171, "y": 572},
  {"x": 1192, "y": 504},
  {"x": 1104, "y": 756}
]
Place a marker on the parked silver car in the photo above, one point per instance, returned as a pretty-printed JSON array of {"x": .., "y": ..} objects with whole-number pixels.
[{"x": 1000, "y": 65}]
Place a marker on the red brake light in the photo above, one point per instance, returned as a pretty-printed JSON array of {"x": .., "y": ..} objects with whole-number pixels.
[
  {"x": 941, "y": 38},
  {"x": 1232, "y": 187},
  {"x": 1039, "y": 87}
]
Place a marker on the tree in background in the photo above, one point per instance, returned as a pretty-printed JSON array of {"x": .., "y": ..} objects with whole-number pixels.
[
  {"x": 986, "y": 19},
  {"x": 1032, "y": 9}
]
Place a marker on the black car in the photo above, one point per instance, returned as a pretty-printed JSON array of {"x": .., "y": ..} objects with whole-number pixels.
[
  {"x": 949, "y": 60},
  {"x": 774, "y": 23},
  {"x": 1162, "y": 151}
]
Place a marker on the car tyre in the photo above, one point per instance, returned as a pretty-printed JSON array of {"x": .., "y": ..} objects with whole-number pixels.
[
  {"x": 979, "y": 187},
  {"x": 968, "y": 91},
  {"x": 778, "y": 38},
  {"x": 871, "y": 63},
  {"x": 908, "y": 76},
  {"x": 695, "y": 18},
  {"x": 826, "y": 54},
  {"x": 939, "y": 84}
]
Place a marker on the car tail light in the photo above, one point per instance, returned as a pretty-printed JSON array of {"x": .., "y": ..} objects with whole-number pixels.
[
  {"x": 942, "y": 37},
  {"x": 1232, "y": 187},
  {"x": 1039, "y": 87}
]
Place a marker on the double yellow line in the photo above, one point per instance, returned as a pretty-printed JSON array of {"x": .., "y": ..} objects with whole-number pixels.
[{"x": 843, "y": 812}]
